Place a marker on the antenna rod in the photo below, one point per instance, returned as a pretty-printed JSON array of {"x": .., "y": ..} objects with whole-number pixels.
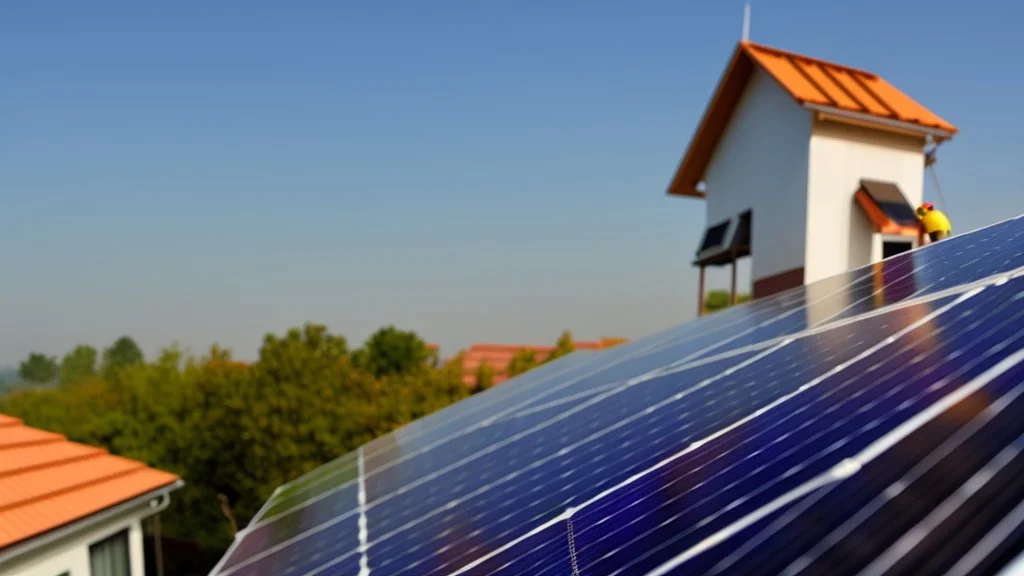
[{"x": 746, "y": 22}]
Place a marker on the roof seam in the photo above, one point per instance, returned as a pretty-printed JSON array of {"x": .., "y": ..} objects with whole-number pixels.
[
  {"x": 874, "y": 95},
  {"x": 796, "y": 64},
  {"x": 68, "y": 489},
  {"x": 35, "y": 442},
  {"x": 828, "y": 73},
  {"x": 94, "y": 453}
]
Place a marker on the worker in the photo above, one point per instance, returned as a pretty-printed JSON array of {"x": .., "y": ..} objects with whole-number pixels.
[{"x": 933, "y": 222}]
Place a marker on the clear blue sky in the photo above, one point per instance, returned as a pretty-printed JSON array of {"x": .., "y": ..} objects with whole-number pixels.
[{"x": 206, "y": 172}]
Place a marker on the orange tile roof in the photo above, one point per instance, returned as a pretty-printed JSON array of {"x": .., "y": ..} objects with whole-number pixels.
[
  {"x": 809, "y": 81},
  {"x": 47, "y": 481},
  {"x": 497, "y": 356}
]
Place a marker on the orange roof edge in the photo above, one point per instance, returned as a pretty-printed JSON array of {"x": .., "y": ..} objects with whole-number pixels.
[
  {"x": 48, "y": 483},
  {"x": 813, "y": 83}
]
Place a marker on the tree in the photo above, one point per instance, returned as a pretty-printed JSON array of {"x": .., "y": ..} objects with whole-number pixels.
[
  {"x": 78, "y": 364},
  {"x": 124, "y": 352},
  {"x": 719, "y": 300},
  {"x": 523, "y": 361},
  {"x": 38, "y": 368},
  {"x": 484, "y": 377},
  {"x": 392, "y": 351},
  {"x": 563, "y": 347}
]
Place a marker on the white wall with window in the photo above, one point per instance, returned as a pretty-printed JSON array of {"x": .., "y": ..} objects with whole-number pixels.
[{"x": 111, "y": 548}]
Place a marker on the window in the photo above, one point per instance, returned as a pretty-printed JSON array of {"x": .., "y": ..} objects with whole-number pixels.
[
  {"x": 894, "y": 247},
  {"x": 109, "y": 557}
]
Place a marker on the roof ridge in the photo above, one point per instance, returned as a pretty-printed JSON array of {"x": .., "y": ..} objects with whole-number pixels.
[
  {"x": 748, "y": 45},
  {"x": 99, "y": 480},
  {"x": 94, "y": 452}
]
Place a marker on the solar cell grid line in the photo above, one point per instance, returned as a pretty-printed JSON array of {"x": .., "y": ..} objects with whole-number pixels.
[
  {"x": 512, "y": 387},
  {"x": 783, "y": 331},
  {"x": 283, "y": 533},
  {"x": 341, "y": 509},
  {"x": 507, "y": 472},
  {"x": 825, "y": 368},
  {"x": 295, "y": 495},
  {"x": 937, "y": 452},
  {"x": 929, "y": 450},
  {"x": 1001, "y": 546},
  {"x": 800, "y": 431},
  {"x": 543, "y": 554},
  {"x": 311, "y": 488},
  {"x": 641, "y": 350},
  {"x": 414, "y": 473},
  {"x": 904, "y": 555},
  {"x": 1008, "y": 358}
]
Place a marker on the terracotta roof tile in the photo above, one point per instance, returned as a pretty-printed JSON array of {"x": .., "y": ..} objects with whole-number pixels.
[
  {"x": 47, "y": 481},
  {"x": 497, "y": 356}
]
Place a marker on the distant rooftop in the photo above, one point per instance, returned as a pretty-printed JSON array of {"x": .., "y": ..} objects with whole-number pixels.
[{"x": 497, "y": 356}]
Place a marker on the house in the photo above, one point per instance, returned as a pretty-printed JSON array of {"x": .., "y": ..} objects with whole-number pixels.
[
  {"x": 497, "y": 356},
  {"x": 807, "y": 167},
  {"x": 68, "y": 509}
]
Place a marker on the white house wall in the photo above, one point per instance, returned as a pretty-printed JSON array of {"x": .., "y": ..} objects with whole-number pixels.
[
  {"x": 761, "y": 164},
  {"x": 71, "y": 555},
  {"x": 839, "y": 237}
]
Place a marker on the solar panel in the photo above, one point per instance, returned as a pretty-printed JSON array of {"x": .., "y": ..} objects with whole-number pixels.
[{"x": 869, "y": 421}]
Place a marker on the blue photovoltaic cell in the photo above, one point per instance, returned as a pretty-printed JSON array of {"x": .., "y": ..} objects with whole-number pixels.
[
  {"x": 542, "y": 554},
  {"x": 799, "y": 439},
  {"x": 466, "y": 481},
  {"x": 652, "y": 434},
  {"x": 340, "y": 508},
  {"x": 329, "y": 478},
  {"x": 344, "y": 566},
  {"x": 551, "y": 383},
  {"x": 857, "y": 519},
  {"x": 335, "y": 544}
]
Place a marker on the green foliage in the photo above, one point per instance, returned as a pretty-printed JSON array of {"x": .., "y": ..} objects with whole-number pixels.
[
  {"x": 523, "y": 361},
  {"x": 123, "y": 353},
  {"x": 393, "y": 351},
  {"x": 716, "y": 300},
  {"x": 38, "y": 369},
  {"x": 564, "y": 346},
  {"x": 78, "y": 365},
  {"x": 235, "y": 431},
  {"x": 484, "y": 377}
]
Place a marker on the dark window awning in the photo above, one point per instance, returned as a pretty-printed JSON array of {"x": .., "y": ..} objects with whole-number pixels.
[
  {"x": 725, "y": 241},
  {"x": 886, "y": 207}
]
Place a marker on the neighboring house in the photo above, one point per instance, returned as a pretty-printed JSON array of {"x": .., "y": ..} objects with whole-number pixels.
[
  {"x": 68, "y": 509},
  {"x": 809, "y": 167},
  {"x": 497, "y": 356}
]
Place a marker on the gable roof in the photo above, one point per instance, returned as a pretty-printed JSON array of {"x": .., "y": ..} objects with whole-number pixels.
[
  {"x": 47, "y": 481},
  {"x": 813, "y": 83}
]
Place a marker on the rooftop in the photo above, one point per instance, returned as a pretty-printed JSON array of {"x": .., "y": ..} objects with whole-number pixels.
[
  {"x": 813, "y": 83},
  {"x": 47, "y": 481}
]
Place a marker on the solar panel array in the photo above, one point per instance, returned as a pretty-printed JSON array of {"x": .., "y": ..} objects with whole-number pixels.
[{"x": 869, "y": 423}]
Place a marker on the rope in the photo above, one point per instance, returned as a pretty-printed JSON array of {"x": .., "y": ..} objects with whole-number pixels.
[{"x": 930, "y": 160}]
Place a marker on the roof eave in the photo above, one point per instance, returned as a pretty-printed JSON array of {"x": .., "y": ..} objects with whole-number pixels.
[
  {"x": 936, "y": 133},
  {"x": 731, "y": 85},
  {"x": 27, "y": 545}
]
